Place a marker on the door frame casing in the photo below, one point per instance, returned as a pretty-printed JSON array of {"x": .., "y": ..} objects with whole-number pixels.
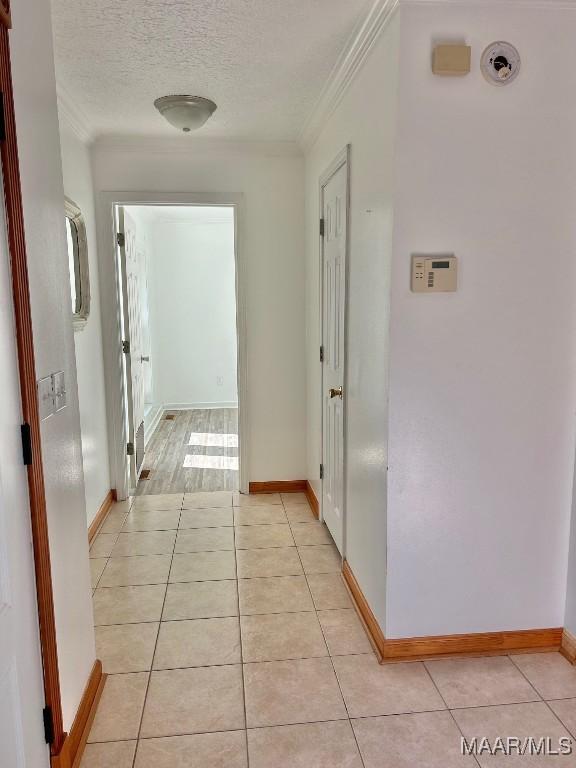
[
  {"x": 131, "y": 461},
  {"x": 342, "y": 158},
  {"x": 112, "y": 327},
  {"x": 24, "y": 334}
]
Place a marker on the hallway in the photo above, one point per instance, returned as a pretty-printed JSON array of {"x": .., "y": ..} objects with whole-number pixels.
[
  {"x": 322, "y": 247},
  {"x": 227, "y": 632}
]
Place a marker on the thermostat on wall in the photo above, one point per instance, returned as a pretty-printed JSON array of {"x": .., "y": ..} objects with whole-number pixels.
[{"x": 434, "y": 273}]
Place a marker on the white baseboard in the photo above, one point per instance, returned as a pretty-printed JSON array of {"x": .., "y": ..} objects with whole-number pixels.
[
  {"x": 158, "y": 411},
  {"x": 198, "y": 406}
]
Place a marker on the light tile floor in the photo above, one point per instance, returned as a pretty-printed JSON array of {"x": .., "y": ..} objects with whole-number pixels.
[{"x": 230, "y": 641}]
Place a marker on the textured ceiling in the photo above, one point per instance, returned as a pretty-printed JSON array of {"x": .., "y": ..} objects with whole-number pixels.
[{"x": 263, "y": 62}]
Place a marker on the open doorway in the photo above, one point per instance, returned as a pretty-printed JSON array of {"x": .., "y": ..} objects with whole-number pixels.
[{"x": 178, "y": 317}]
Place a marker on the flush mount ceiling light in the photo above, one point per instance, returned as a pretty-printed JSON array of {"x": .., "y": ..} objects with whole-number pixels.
[{"x": 187, "y": 113}]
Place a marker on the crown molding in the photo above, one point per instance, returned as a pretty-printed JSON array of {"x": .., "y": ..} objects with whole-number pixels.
[
  {"x": 189, "y": 145},
  {"x": 349, "y": 62},
  {"x": 70, "y": 114}
]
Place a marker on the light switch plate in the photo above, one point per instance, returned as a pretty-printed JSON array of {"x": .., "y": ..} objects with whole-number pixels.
[
  {"x": 46, "y": 405},
  {"x": 59, "y": 386}
]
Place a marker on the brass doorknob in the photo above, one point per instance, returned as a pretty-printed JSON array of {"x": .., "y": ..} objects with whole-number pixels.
[{"x": 335, "y": 392}]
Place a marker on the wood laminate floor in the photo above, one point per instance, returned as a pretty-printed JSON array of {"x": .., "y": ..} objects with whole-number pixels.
[{"x": 196, "y": 450}]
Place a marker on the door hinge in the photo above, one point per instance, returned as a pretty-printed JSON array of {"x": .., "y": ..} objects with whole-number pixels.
[
  {"x": 321, "y": 354},
  {"x": 48, "y": 725},
  {"x": 126, "y": 347},
  {"x": 2, "y": 119},
  {"x": 321, "y": 471},
  {"x": 121, "y": 239},
  {"x": 130, "y": 449},
  {"x": 26, "y": 443},
  {"x": 321, "y": 227}
]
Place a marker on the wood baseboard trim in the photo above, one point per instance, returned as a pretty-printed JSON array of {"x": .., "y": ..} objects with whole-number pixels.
[
  {"x": 477, "y": 644},
  {"x": 101, "y": 515},
  {"x": 312, "y": 500},
  {"x": 278, "y": 486},
  {"x": 75, "y": 742},
  {"x": 365, "y": 612},
  {"x": 568, "y": 646}
]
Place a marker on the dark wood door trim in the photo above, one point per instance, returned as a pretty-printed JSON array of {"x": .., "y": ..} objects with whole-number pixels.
[
  {"x": 27, "y": 370},
  {"x": 5, "y": 18}
]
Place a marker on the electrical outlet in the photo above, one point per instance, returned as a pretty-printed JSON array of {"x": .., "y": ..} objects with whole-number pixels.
[{"x": 219, "y": 381}]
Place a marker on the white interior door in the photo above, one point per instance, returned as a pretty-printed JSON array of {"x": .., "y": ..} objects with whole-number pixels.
[
  {"x": 21, "y": 685},
  {"x": 334, "y": 214},
  {"x": 132, "y": 326}
]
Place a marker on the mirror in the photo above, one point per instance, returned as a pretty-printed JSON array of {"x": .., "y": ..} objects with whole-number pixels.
[{"x": 77, "y": 264}]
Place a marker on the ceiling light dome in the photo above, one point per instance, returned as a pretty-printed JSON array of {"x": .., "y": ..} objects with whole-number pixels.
[{"x": 187, "y": 113}]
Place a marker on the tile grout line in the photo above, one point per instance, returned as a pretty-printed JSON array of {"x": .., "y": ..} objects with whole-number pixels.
[
  {"x": 117, "y": 534},
  {"x": 447, "y": 708},
  {"x": 130, "y": 503},
  {"x": 154, "y": 651},
  {"x": 240, "y": 636},
  {"x": 95, "y": 587},
  {"x": 233, "y": 616},
  {"x": 536, "y": 691},
  {"x": 326, "y": 643},
  {"x": 542, "y": 699},
  {"x": 408, "y": 713}
]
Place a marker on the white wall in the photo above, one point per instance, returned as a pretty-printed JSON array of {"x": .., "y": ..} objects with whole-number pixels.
[
  {"x": 483, "y": 385},
  {"x": 43, "y": 200},
  {"x": 366, "y": 118},
  {"x": 88, "y": 342},
  {"x": 271, "y": 239},
  {"x": 193, "y": 313}
]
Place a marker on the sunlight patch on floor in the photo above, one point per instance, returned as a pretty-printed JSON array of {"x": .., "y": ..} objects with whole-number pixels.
[
  {"x": 213, "y": 440},
  {"x": 197, "y": 461}
]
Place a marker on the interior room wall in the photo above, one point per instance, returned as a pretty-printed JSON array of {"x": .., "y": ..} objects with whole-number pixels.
[
  {"x": 366, "y": 119},
  {"x": 483, "y": 386},
  {"x": 78, "y": 187},
  {"x": 43, "y": 202},
  {"x": 270, "y": 180},
  {"x": 193, "y": 312}
]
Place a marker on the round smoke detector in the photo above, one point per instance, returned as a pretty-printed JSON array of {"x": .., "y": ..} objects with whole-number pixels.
[{"x": 500, "y": 63}]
